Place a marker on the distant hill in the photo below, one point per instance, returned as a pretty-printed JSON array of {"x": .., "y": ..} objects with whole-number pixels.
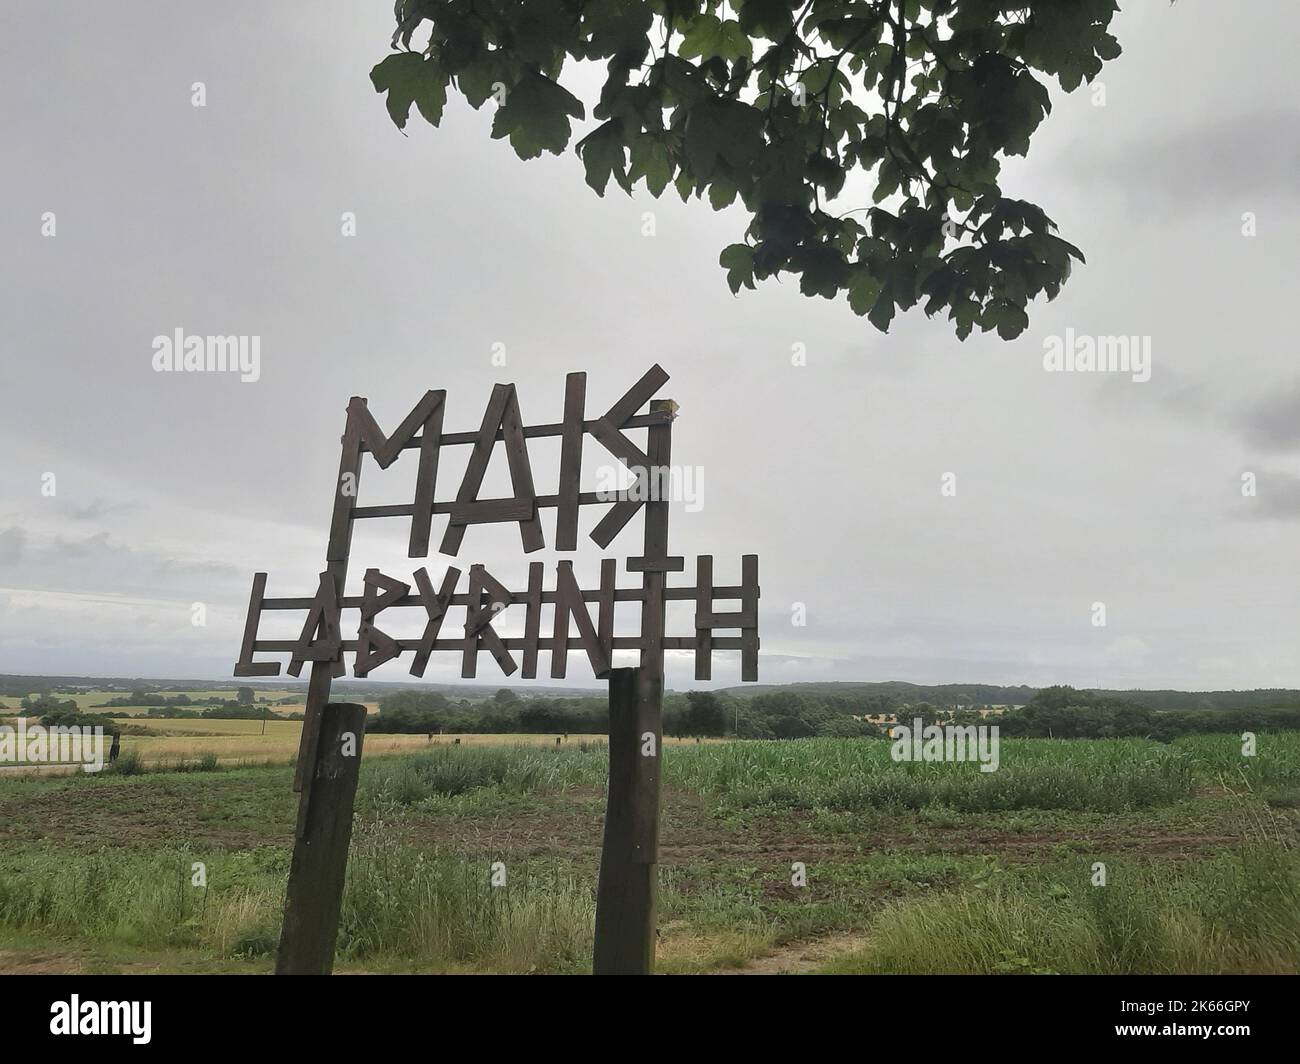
[
  {"x": 939, "y": 694},
  {"x": 1260, "y": 698},
  {"x": 964, "y": 694},
  {"x": 948, "y": 694},
  {"x": 17, "y": 686}
]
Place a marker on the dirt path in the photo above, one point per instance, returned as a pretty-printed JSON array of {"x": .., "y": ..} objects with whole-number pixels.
[{"x": 800, "y": 958}]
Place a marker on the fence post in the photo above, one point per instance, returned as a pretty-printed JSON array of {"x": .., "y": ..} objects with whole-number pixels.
[
  {"x": 320, "y": 850},
  {"x": 626, "y": 895}
]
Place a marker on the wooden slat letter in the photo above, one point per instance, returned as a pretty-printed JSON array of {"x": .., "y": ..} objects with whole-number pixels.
[
  {"x": 320, "y": 639},
  {"x": 487, "y": 598},
  {"x": 503, "y": 414},
  {"x": 607, "y": 431},
  {"x": 569, "y": 603},
  {"x": 425, "y": 416},
  {"x": 246, "y": 666},
  {"x": 575, "y": 406},
  {"x": 435, "y": 605},
  {"x": 373, "y": 646}
]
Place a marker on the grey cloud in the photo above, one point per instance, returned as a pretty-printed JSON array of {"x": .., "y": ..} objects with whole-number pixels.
[
  {"x": 1234, "y": 158},
  {"x": 98, "y": 509},
  {"x": 1278, "y": 497},
  {"x": 1273, "y": 423},
  {"x": 11, "y": 545},
  {"x": 98, "y": 563}
]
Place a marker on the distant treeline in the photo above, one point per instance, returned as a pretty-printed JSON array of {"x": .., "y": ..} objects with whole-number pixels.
[
  {"x": 962, "y": 695},
  {"x": 697, "y": 713},
  {"x": 220, "y": 711},
  {"x": 895, "y": 691},
  {"x": 13, "y": 686},
  {"x": 56, "y": 711},
  {"x": 1056, "y": 712},
  {"x": 781, "y": 715},
  {"x": 141, "y": 698},
  {"x": 1064, "y": 713},
  {"x": 425, "y": 712},
  {"x": 1276, "y": 698}
]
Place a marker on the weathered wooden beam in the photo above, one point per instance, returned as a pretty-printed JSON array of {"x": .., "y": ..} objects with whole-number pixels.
[
  {"x": 533, "y": 432},
  {"x": 566, "y": 520},
  {"x": 532, "y": 621},
  {"x": 320, "y": 854},
  {"x": 622, "y": 594},
  {"x": 749, "y": 609},
  {"x": 626, "y": 899},
  {"x": 514, "y": 642},
  {"x": 703, "y": 605}
]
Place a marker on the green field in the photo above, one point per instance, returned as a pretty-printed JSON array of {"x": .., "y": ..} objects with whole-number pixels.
[
  {"x": 183, "y": 743},
  {"x": 90, "y": 701},
  {"x": 926, "y": 867}
]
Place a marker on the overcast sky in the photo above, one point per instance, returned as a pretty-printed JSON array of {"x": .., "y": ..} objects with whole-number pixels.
[{"x": 1072, "y": 489}]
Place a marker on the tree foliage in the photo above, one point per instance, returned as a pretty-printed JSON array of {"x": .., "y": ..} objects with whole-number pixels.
[{"x": 778, "y": 105}]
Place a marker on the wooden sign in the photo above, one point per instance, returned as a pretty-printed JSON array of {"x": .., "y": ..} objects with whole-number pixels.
[
  {"x": 464, "y": 622},
  {"x": 484, "y": 597}
]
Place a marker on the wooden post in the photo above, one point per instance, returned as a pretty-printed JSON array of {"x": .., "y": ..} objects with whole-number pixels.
[
  {"x": 625, "y": 897},
  {"x": 320, "y": 851}
]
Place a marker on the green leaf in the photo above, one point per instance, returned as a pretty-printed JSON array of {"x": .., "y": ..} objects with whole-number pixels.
[
  {"x": 1011, "y": 320},
  {"x": 603, "y": 155},
  {"x": 488, "y": 74},
  {"x": 722, "y": 192},
  {"x": 1108, "y": 47},
  {"x": 650, "y": 161},
  {"x": 722, "y": 129},
  {"x": 409, "y": 78},
  {"x": 738, "y": 260},
  {"x": 703, "y": 38},
  {"x": 734, "y": 44},
  {"x": 882, "y": 311},
  {"x": 708, "y": 37},
  {"x": 765, "y": 18},
  {"x": 536, "y": 116},
  {"x": 863, "y": 290}
]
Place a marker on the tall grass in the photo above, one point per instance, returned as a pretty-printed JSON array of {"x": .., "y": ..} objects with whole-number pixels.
[
  {"x": 1237, "y": 912},
  {"x": 428, "y": 910},
  {"x": 1219, "y": 759},
  {"x": 835, "y": 774},
  {"x": 444, "y": 912},
  {"x": 857, "y": 774},
  {"x": 144, "y": 899},
  {"x": 451, "y": 771}
]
